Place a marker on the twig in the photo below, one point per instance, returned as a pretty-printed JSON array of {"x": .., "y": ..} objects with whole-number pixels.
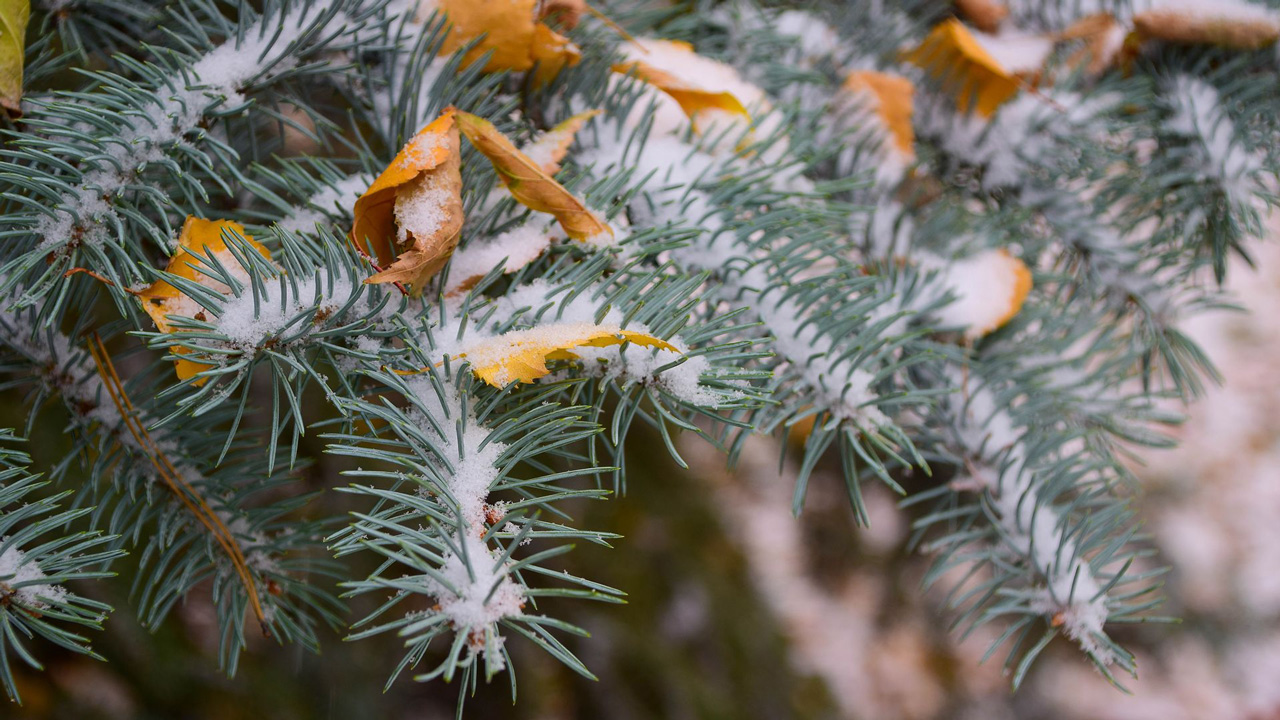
[{"x": 180, "y": 487}]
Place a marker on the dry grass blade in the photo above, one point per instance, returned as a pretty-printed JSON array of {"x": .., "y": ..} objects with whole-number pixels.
[{"x": 178, "y": 486}]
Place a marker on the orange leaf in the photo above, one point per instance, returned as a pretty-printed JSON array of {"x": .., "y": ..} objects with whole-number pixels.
[
  {"x": 410, "y": 217},
  {"x": 700, "y": 85},
  {"x": 509, "y": 28},
  {"x": 991, "y": 288},
  {"x": 161, "y": 299},
  {"x": 986, "y": 15},
  {"x": 549, "y": 149},
  {"x": 966, "y": 62},
  {"x": 893, "y": 96},
  {"x": 528, "y": 183},
  {"x": 1103, "y": 40},
  {"x": 1208, "y": 25},
  {"x": 522, "y": 355},
  {"x": 567, "y": 12}
]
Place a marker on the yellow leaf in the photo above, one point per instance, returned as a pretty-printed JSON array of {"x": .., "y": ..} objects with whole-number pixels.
[
  {"x": 893, "y": 95},
  {"x": 160, "y": 299},
  {"x": 1103, "y": 40},
  {"x": 549, "y": 149},
  {"x": 410, "y": 217},
  {"x": 567, "y": 12},
  {"x": 510, "y": 29},
  {"x": 991, "y": 288},
  {"x": 528, "y": 183},
  {"x": 14, "y": 15},
  {"x": 964, "y": 61},
  {"x": 1206, "y": 26},
  {"x": 522, "y": 355},
  {"x": 986, "y": 15},
  {"x": 702, "y": 87}
]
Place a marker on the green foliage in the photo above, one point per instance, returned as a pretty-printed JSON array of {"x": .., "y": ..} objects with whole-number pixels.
[{"x": 806, "y": 286}]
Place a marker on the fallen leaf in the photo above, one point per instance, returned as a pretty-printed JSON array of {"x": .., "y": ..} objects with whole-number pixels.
[
  {"x": 893, "y": 104},
  {"x": 566, "y": 12},
  {"x": 522, "y": 355},
  {"x": 14, "y": 15},
  {"x": 702, "y": 86},
  {"x": 510, "y": 29},
  {"x": 528, "y": 183},
  {"x": 986, "y": 15},
  {"x": 1235, "y": 26},
  {"x": 1103, "y": 40},
  {"x": 990, "y": 288},
  {"x": 410, "y": 217},
  {"x": 967, "y": 63},
  {"x": 551, "y": 147},
  {"x": 161, "y": 299}
]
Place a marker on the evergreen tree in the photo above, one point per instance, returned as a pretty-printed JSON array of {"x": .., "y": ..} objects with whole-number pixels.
[{"x": 471, "y": 244}]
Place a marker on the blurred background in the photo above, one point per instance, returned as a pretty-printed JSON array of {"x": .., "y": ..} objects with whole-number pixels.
[{"x": 738, "y": 610}]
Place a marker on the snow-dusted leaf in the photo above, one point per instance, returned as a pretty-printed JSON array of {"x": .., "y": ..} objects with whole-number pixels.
[
  {"x": 703, "y": 87},
  {"x": 410, "y": 217},
  {"x": 550, "y": 148},
  {"x": 510, "y": 29},
  {"x": 986, "y": 15},
  {"x": 891, "y": 98},
  {"x": 1227, "y": 23},
  {"x": 982, "y": 71},
  {"x": 990, "y": 289},
  {"x": 522, "y": 355},
  {"x": 529, "y": 184},
  {"x": 13, "y": 40},
  {"x": 161, "y": 299}
]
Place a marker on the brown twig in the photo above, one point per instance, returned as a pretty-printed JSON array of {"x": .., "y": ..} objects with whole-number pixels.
[{"x": 177, "y": 485}]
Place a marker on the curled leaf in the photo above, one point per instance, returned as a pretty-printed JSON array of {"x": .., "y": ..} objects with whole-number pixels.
[
  {"x": 892, "y": 96},
  {"x": 522, "y": 355},
  {"x": 702, "y": 87},
  {"x": 551, "y": 147},
  {"x": 410, "y": 217},
  {"x": 986, "y": 15},
  {"x": 982, "y": 71},
  {"x": 1102, "y": 40},
  {"x": 14, "y": 15},
  {"x": 509, "y": 29},
  {"x": 1239, "y": 26},
  {"x": 567, "y": 12},
  {"x": 161, "y": 299},
  {"x": 529, "y": 184}
]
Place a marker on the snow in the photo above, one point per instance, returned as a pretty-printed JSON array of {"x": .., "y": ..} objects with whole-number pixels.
[
  {"x": 1198, "y": 114},
  {"x": 1016, "y": 52},
  {"x": 468, "y": 472},
  {"x": 16, "y": 569},
  {"x": 640, "y": 365},
  {"x": 1030, "y": 525},
  {"x": 512, "y": 250},
  {"x": 334, "y": 201},
  {"x": 422, "y": 207},
  {"x": 695, "y": 71},
  {"x": 86, "y": 210},
  {"x": 1019, "y": 139},
  {"x": 1233, "y": 10},
  {"x": 816, "y": 37},
  {"x": 247, "y": 327},
  {"x": 466, "y": 608},
  {"x": 985, "y": 286},
  {"x": 844, "y": 390}
]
